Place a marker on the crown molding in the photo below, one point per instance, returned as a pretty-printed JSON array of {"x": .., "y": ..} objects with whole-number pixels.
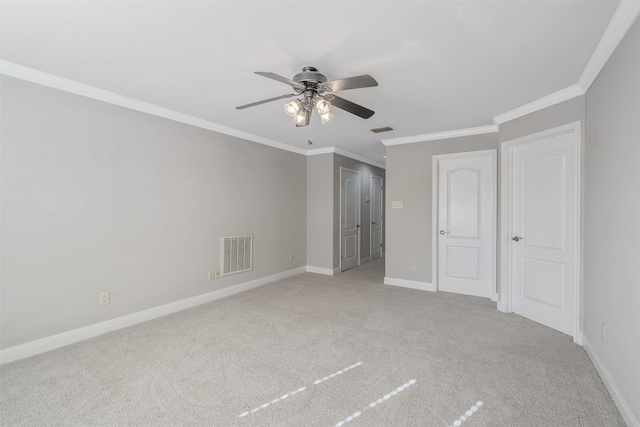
[
  {"x": 622, "y": 19},
  {"x": 544, "y": 102},
  {"x": 45, "y": 79},
  {"x": 345, "y": 153},
  {"x": 441, "y": 135},
  {"x": 317, "y": 151}
]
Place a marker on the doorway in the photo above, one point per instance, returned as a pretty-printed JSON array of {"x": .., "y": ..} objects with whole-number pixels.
[
  {"x": 541, "y": 228},
  {"x": 377, "y": 209},
  {"x": 349, "y": 218},
  {"x": 464, "y": 226}
]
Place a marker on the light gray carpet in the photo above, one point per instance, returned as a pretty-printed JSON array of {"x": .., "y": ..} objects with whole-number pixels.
[{"x": 280, "y": 344}]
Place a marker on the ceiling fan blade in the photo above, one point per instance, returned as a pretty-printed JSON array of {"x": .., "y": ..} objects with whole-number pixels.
[
  {"x": 264, "y": 101},
  {"x": 281, "y": 79},
  {"x": 356, "y": 82},
  {"x": 351, "y": 107}
]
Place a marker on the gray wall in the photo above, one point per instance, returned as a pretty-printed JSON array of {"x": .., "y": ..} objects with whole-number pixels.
[
  {"x": 366, "y": 171},
  {"x": 99, "y": 198},
  {"x": 612, "y": 218},
  {"x": 408, "y": 230},
  {"x": 320, "y": 211}
]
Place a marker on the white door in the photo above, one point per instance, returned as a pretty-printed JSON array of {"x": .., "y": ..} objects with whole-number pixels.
[
  {"x": 349, "y": 218},
  {"x": 466, "y": 206},
  {"x": 544, "y": 228},
  {"x": 376, "y": 217}
]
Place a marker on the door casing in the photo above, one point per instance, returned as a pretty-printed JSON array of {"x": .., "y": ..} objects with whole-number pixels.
[
  {"x": 371, "y": 215},
  {"x": 505, "y": 302}
]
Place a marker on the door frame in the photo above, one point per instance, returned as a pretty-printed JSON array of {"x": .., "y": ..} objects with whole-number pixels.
[
  {"x": 435, "y": 201},
  {"x": 505, "y": 302},
  {"x": 371, "y": 177},
  {"x": 359, "y": 228}
]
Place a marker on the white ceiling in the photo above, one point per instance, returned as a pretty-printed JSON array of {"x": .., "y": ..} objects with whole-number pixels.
[{"x": 440, "y": 66}]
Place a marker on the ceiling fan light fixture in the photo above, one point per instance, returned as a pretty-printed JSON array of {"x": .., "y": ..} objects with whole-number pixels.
[
  {"x": 322, "y": 105},
  {"x": 292, "y": 108},
  {"x": 324, "y": 118}
]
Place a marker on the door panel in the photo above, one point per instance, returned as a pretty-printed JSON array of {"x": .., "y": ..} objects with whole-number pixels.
[
  {"x": 463, "y": 198},
  {"x": 349, "y": 219},
  {"x": 463, "y": 263},
  {"x": 466, "y": 223},
  {"x": 544, "y": 219}
]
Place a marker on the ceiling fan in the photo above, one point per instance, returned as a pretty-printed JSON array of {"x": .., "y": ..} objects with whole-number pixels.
[{"x": 315, "y": 91}]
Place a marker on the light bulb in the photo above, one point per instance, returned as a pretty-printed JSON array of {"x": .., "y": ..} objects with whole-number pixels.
[
  {"x": 322, "y": 105},
  {"x": 292, "y": 108},
  {"x": 324, "y": 118}
]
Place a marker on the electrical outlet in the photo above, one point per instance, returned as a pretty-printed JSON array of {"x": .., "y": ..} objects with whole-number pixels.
[
  {"x": 104, "y": 298},
  {"x": 211, "y": 275},
  {"x": 290, "y": 257},
  {"x": 216, "y": 274},
  {"x": 603, "y": 333},
  {"x": 412, "y": 266}
]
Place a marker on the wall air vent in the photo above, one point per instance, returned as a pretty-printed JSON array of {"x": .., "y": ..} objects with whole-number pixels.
[
  {"x": 380, "y": 130},
  {"x": 237, "y": 254}
]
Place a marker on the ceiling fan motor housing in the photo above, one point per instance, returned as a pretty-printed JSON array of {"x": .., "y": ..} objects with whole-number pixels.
[{"x": 310, "y": 75}]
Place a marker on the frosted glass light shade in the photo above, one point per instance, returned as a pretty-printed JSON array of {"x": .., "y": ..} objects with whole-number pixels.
[
  {"x": 325, "y": 117},
  {"x": 292, "y": 108},
  {"x": 322, "y": 105},
  {"x": 301, "y": 117}
]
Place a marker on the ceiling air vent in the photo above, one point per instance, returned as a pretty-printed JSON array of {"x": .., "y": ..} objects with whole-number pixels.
[{"x": 380, "y": 130}]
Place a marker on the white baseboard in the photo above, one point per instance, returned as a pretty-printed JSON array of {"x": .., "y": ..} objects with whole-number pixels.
[
  {"x": 365, "y": 260},
  {"x": 56, "y": 341},
  {"x": 423, "y": 286},
  {"x": 321, "y": 270},
  {"x": 617, "y": 397}
]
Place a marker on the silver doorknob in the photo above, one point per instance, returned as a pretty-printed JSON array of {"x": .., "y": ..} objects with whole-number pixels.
[
  {"x": 442, "y": 232},
  {"x": 517, "y": 239}
]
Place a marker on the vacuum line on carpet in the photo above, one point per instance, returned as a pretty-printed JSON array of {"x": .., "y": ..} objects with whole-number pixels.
[
  {"x": 467, "y": 414},
  {"x": 376, "y": 403},
  {"x": 264, "y": 405},
  {"x": 328, "y": 377}
]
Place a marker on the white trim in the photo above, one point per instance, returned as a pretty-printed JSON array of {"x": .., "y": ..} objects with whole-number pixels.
[
  {"x": 317, "y": 151},
  {"x": 616, "y": 395},
  {"x": 506, "y": 294},
  {"x": 412, "y": 284},
  {"x": 623, "y": 18},
  {"x": 70, "y": 337},
  {"x": 320, "y": 270},
  {"x": 60, "y": 83},
  {"x": 365, "y": 260},
  {"x": 435, "y": 189},
  {"x": 434, "y": 220},
  {"x": 539, "y": 104},
  {"x": 371, "y": 177},
  {"x": 441, "y": 135},
  {"x": 336, "y": 150}
]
